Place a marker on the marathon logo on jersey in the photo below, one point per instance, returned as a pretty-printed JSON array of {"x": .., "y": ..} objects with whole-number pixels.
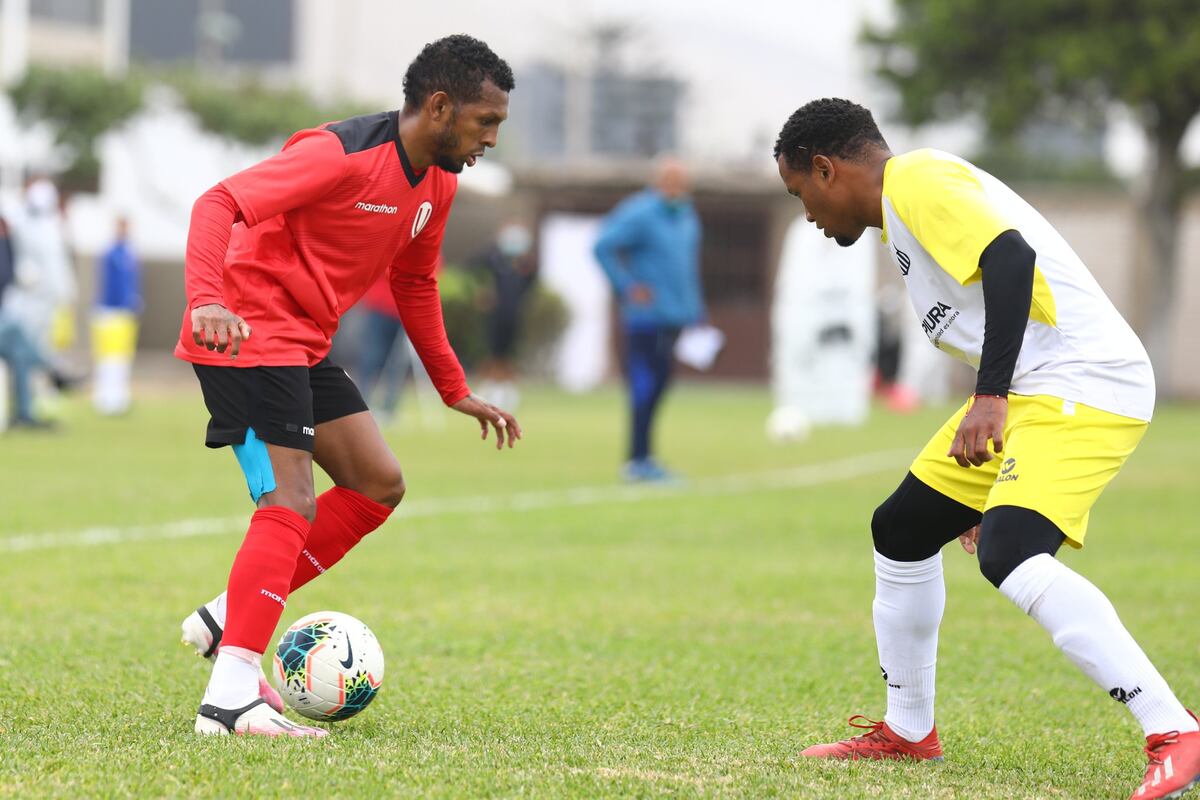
[
  {"x": 937, "y": 321},
  {"x": 424, "y": 212},
  {"x": 273, "y": 596},
  {"x": 307, "y": 430},
  {"x": 376, "y": 208},
  {"x": 903, "y": 260},
  {"x": 1123, "y": 697}
]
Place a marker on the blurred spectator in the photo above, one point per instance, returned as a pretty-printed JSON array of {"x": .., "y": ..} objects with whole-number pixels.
[
  {"x": 45, "y": 283},
  {"x": 383, "y": 360},
  {"x": 649, "y": 247},
  {"x": 115, "y": 323},
  {"x": 510, "y": 264},
  {"x": 8, "y": 262},
  {"x": 17, "y": 351}
]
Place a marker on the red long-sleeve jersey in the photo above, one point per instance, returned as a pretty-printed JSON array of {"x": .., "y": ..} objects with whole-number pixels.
[{"x": 293, "y": 242}]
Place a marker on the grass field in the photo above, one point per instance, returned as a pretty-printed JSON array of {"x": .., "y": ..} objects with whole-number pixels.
[{"x": 545, "y": 640}]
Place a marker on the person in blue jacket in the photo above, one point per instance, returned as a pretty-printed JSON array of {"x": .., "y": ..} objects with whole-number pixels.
[
  {"x": 649, "y": 247},
  {"x": 115, "y": 323}
]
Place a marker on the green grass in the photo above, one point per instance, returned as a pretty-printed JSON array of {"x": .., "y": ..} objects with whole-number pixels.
[{"x": 687, "y": 644}]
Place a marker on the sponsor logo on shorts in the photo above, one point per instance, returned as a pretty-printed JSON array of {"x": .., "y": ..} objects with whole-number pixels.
[
  {"x": 1006, "y": 471},
  {"x": 273, "y": 596},
  {"x": 376, "y": 208}
]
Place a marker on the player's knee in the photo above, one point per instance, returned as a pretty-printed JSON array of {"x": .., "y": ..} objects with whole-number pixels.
[
  {"x": 391, "y": 489},
  {"x": 916, "y": 521},
  {"x": 881, "y": 529},
  {"x": 303, "y": 503},
  {"x": 995, "y": 558},
  {"x": 1009, "y": 536},
  {"x": 383, "y": 485}
]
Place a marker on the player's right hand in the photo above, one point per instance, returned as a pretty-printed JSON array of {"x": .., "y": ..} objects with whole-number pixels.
[
  {"x": 215, "y": 327},
  {"x": 488, "y": 414}
]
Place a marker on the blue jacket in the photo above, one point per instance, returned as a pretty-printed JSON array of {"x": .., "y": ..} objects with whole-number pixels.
[
  {"x": 120, "y": 281},
  {"x": 648, "y": 240}
]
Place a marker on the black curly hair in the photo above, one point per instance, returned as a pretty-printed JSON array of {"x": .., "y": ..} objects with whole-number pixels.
[
  {"x": 830, "y": 127},
  {"x": 457, "y": 65}
]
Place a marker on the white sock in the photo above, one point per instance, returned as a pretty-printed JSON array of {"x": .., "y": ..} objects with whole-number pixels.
[
  {"x": 1085, "y": 626},
  {"x": 234, "y": 681},
  {"x": 910, "y": 597},
  {"x": 216, "y": 607}
]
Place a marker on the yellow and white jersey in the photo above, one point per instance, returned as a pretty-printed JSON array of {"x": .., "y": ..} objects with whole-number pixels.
[{"x": 939, "y": 214}]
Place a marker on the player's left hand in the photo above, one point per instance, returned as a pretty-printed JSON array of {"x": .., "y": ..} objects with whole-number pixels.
[
  {"x": 970, "y": 540},
  {"x": 983, "y": 421},
  {"x": 488, "y": 414}
]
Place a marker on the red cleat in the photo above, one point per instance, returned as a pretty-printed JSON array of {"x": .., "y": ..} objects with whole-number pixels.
[
  {"x": 1174, "y": 765},
  {"x": 879, "y": 742}
]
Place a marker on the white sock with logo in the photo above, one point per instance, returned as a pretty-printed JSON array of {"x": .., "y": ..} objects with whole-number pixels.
[
  {"x": 1085, "y": 626},
  {"x": 910, "y": 597},
  {"x": 234, "y": 680}
]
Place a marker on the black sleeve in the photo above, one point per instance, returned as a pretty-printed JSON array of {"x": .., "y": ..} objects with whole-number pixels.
[{"x": 1007, "y": 266}]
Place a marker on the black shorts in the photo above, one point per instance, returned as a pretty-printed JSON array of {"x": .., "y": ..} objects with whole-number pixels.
[{"x": 283, "y": 405}]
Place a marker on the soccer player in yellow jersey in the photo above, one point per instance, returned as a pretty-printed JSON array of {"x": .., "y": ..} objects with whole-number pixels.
[{"x": 1065, "y": 391}]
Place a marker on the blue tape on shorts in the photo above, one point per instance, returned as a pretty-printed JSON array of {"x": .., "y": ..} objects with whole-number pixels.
[{"x": 256, "y": 465}]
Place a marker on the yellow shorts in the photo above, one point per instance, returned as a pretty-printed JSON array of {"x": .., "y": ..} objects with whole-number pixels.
[
  {"x": 1058, "y": 457},
  {"x": 114, "y": 335}
]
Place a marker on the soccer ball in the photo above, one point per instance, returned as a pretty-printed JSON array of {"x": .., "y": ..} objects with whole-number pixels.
[
  {"x": 328, "y": 666},
  {"x": 788, "y": 424}
]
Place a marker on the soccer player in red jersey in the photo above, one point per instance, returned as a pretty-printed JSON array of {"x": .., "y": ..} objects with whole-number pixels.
[{"x": 275, "y": 254}]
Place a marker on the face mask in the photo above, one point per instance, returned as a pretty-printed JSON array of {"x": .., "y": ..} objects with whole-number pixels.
[{"x": 514, "y": 240}]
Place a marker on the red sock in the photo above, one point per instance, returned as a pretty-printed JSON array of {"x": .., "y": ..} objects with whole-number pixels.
[
  {"x": 344, "y": 517},
  {"x": 258, "y": 581}
]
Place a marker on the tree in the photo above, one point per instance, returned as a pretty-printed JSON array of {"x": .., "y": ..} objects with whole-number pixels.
[
  {"x": 80, "y": 104},
  {"x": 1009, "y": 60}
]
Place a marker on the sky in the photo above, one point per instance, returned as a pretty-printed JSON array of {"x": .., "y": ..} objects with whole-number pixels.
[{"x": 748, "y": 64}]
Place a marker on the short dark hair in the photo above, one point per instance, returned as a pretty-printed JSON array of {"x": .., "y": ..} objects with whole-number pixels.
[
  {"x": 830, "y": 127},
  {"x": 457, "y": 65}
]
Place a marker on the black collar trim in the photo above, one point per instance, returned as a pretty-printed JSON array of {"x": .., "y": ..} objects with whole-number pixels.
[{"x": 409, "y": 172}]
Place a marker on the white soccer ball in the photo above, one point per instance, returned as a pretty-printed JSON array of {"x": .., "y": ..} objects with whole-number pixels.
[
  {"x": 788, "y": 424},
  {"x": 328, "y": 666}
]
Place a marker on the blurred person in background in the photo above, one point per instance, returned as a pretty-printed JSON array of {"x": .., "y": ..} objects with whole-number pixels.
[
  {"x": 115, "y": 323},
  {"x": 45, "y": 281},
  {"x": 16, "y": 350},
  {"x": 511, "y": 269},
  {"x": 8, "y": 259},
  {"x": 38, "y": 286},
  {"x": 1064, "y": 394},
  {"x": 382, "y": 358},
  {"x": 275, "y": 254},
  {"x": 649, "y": 247}
]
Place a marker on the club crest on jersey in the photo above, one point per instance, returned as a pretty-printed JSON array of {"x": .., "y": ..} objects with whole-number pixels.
[{"x": 424, "y": 212}]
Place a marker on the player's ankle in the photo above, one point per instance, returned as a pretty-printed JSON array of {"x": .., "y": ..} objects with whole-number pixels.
[{"x": 243, "y": 654}]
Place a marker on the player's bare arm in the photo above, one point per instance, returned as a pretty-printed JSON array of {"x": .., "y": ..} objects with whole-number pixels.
[
  {"x": 506, "y": 424},
  {"x": 217, "y": 328}
]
